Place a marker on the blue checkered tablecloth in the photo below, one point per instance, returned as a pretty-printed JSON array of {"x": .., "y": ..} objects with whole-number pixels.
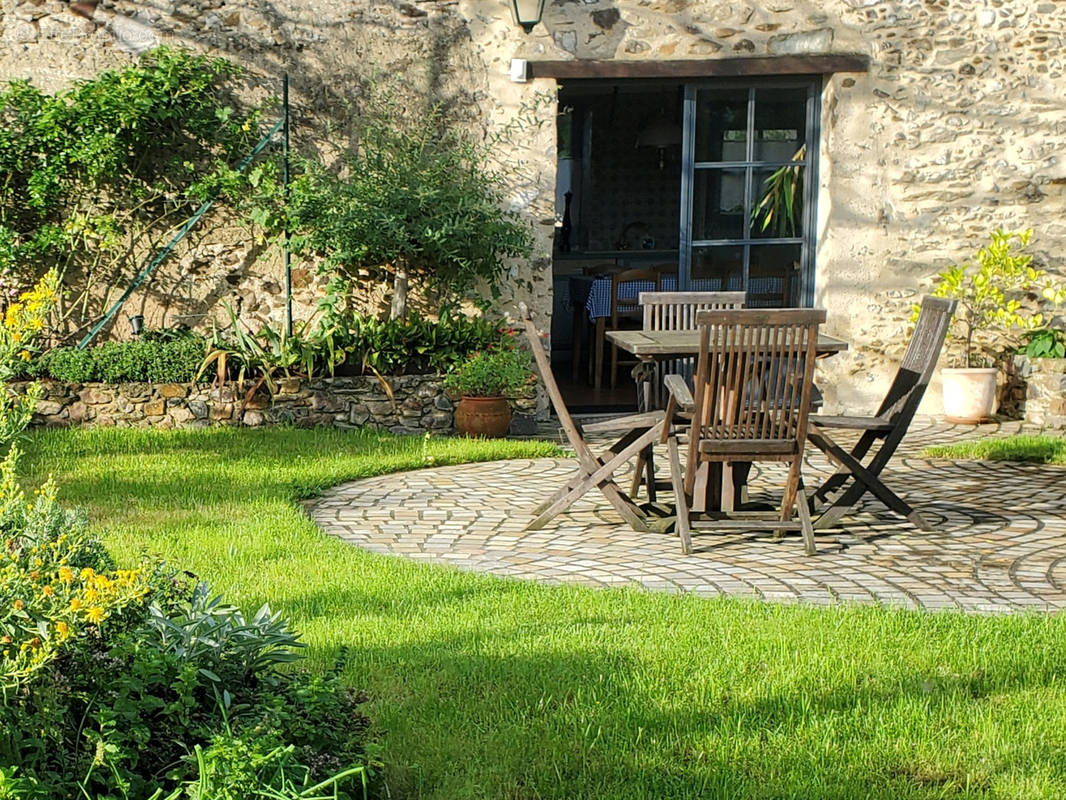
[{"x": 596, "y": 292}]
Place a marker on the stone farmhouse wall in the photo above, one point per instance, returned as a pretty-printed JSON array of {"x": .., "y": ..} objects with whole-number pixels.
[
  {"x": 417, "y": 404},
  {"x": 411, "y": 404},
  {"x": 1036, "y": 390},
  {"x": 957, "y": 128}
]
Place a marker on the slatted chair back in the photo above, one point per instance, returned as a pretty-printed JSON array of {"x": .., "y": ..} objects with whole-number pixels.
[
  {"x": 676, "y": 311},
  {"x": 625, "y": 305},
  {"x": 625, "y": 300},
  {"x": 573, "y": 432},
  {"x": 919, "y": 361},
  {"x": 753, "y": 383}
]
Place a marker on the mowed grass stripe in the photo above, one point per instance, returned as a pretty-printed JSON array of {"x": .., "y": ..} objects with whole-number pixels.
[{"x": 488, "y": 688}]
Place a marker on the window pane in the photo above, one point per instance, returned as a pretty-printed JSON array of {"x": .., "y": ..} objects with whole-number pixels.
[
  {"x": 718, "y": 204},
  {"x": 774, "y": 276},
  {"x": 780, "y": 123},
  {"x": 718, "y": 269},
  {"x": 721, "y": 125},
  {"x": 777, "y": 203}
]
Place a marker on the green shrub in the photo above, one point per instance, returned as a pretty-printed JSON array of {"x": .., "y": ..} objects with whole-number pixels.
[
  {"x": 497, "y": 372},
  {"x": 127, "y": 683},
  {"x": 174, "y": 359},
  {"x": 1045, "y": 343}
]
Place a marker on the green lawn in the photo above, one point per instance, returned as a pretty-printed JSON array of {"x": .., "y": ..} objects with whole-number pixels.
[
  {"x": 486, "y": 688},
  {"x": 1039, "y": 449}
]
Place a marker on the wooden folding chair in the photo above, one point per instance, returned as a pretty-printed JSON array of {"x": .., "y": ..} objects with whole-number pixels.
[
  {"x": 625, "y": 312},
  {"x": 750, "y": 402},
  {"x": 594, "y": 471},
  {"x": 671, "y": 311},
  {"x": 888, "y": 426}
]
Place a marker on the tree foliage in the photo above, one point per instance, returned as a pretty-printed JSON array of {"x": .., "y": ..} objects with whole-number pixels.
[
  {"x": 416, "y": 199},
  {"x": 93, "y": 174}
]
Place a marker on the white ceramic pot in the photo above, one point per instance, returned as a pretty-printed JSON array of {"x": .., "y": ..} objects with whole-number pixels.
[{"x": 969, "y": 394}]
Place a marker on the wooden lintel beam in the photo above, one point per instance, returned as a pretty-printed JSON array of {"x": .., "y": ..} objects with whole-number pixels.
[{"x": 703, "y": 68}]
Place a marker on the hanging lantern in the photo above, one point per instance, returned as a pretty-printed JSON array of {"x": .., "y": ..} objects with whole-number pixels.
[{"x": 527, "y": 13}]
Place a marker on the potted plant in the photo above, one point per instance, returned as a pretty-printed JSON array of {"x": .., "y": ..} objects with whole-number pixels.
[
  {"x": 986, "y": 316},
  {"x": 483, "y": 382}
]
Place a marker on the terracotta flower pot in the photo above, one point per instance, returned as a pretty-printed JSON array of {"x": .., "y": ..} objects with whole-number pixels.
[
  {"x": 483, "y": 416},
  {"x": 969, "y": 394}
]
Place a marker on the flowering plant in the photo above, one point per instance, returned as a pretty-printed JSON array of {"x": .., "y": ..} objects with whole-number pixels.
[
  {"x": 981, "y": 287},
  {"x": 502, "y": 371}
]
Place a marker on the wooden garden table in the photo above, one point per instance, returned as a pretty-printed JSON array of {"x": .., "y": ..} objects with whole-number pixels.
[{"x": 652, "y": 346}]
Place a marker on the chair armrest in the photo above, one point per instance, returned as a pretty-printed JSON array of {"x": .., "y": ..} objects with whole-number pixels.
[
  {"x": 876, "y": 424},
  {"x": 627, "y": 423},
  {"x": 679, "y": 391}
]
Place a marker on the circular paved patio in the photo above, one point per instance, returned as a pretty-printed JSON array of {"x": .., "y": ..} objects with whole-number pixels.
[{"x": 999, "y": 543}]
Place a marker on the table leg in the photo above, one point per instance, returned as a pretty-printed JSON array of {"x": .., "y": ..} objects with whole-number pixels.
[
  {"x": 577, "y": 328},
  {"x": 601, "y": 329}
]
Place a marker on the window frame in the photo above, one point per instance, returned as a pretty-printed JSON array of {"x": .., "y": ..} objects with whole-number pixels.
[{"x": 812, "y": 85}]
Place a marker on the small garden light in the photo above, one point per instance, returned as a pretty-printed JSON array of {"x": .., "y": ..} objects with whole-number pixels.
[
  {"x": 527, "y": 13},
  {"x": 136, "y": 324}
]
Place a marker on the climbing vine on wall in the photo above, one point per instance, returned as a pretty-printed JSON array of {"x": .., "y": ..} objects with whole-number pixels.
[{"x": 94, "y": 176}]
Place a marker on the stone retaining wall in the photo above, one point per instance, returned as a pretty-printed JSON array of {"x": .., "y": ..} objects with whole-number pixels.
[
  {"x": 1036, "y": 390},
  {"x": 417, "y": 404}
]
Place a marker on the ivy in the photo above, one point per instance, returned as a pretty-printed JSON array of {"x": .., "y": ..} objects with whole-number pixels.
[{"x": 95, "y": 174}]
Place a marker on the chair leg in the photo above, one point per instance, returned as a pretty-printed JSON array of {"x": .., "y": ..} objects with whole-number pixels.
[
  {"x": 682, "y": 526},
  {"x": 788, "y": 502},
  {"x": 649, "y": 475},
  {"x": 638, "y": 475},
  {"x": 805, "y": 520}
]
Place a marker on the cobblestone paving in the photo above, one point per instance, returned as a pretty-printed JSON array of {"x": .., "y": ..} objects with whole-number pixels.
[{"x": 999, "y": 543}]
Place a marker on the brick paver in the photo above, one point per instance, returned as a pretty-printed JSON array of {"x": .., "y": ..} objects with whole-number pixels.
[{"x": 999, "y": 543}]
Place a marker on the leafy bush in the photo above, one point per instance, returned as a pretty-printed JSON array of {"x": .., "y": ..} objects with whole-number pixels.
[
  {"x": 985, "y": 313},
  {"x": 498, "y": 372},
  {"x": 415, "y": 201},
  {"x": 413, "y": 344},
  {"x": 173, "y": 359},
  {"x": 1045, "y": 343},
  {"x": 126, "y": 683},
  {"x": 95, "y": 171}
]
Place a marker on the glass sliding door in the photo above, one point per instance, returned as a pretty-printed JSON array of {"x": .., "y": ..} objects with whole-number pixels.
[{"x": 749, "y": 173}]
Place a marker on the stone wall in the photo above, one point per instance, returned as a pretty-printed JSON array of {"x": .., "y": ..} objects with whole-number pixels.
[
  {"x": 417, "y": 404},
  {"x": 958, "y": 127},
  {"x": 1036, "y": 390}
]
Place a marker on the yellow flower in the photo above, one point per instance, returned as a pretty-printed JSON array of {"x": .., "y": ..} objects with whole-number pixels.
[
  {"x": 63, "y": 629},
  {"x": 25, "y": 355},
  {"x": 95, "y": 614},
  {"x": 19, "y": 605},
  {"x": 47, "y": 591},
  {"x": 87, "y": 573},
  {"x": 66, "y": 575},
  {"x": 75, "y": 603}
]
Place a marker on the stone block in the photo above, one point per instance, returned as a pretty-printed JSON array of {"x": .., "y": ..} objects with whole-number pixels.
[
  {"x": 443, "y": 403},
  {"x": 95, "y": 396},
  {"x": 48, "y": 408},
  {"x": 221, "y": 412},
  {"x": 135, "y": 391},
  {"x": 78, "y": 412},
  {"x": 289, "y": 385},
  {"x": 437, "y": 421},
  {"x": 171, "y": 390},
  {"x": 198, "y": 408},
  {"x": 802, "y": 43},
  {"x": 181, "y": 415},
  {"x": 155, "y": 408},
  {"x": 257, "y": 402},
  {"x": 522, "y": 425},
  {"x": 253, "y": 419}
]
